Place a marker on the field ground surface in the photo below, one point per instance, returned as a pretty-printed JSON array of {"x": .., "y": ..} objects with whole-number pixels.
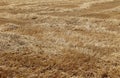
[{"x": 59, "y": 38}]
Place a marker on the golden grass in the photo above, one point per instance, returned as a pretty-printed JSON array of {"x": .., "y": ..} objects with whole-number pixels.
[
  {"x": 59, "y": 39},
  {"x": 69, "y": 64}
]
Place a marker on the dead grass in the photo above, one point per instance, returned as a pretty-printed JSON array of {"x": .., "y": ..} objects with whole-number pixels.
[
  {"x": 44, "y": 65},
  {"x": 59, "y": 39}
]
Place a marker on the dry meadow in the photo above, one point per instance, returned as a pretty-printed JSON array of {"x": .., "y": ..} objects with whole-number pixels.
[{"x": 59, "y": 38}]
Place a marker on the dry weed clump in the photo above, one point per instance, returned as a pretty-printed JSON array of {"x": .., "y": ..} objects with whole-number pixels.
[{"x": 16, "y": 43}]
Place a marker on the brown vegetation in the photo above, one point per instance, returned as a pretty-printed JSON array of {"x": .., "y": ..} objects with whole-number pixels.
[{"x": 60, "y": 39}]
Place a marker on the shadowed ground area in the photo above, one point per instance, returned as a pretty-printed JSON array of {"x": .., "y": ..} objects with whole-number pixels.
[{"x": 59, "y": 39}]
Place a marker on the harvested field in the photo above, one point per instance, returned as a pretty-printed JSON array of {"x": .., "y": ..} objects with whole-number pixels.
[{"x": 59, "y": 38}]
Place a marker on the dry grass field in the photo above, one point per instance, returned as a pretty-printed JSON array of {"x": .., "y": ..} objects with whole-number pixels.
[{"x": 59, "y": 38}]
